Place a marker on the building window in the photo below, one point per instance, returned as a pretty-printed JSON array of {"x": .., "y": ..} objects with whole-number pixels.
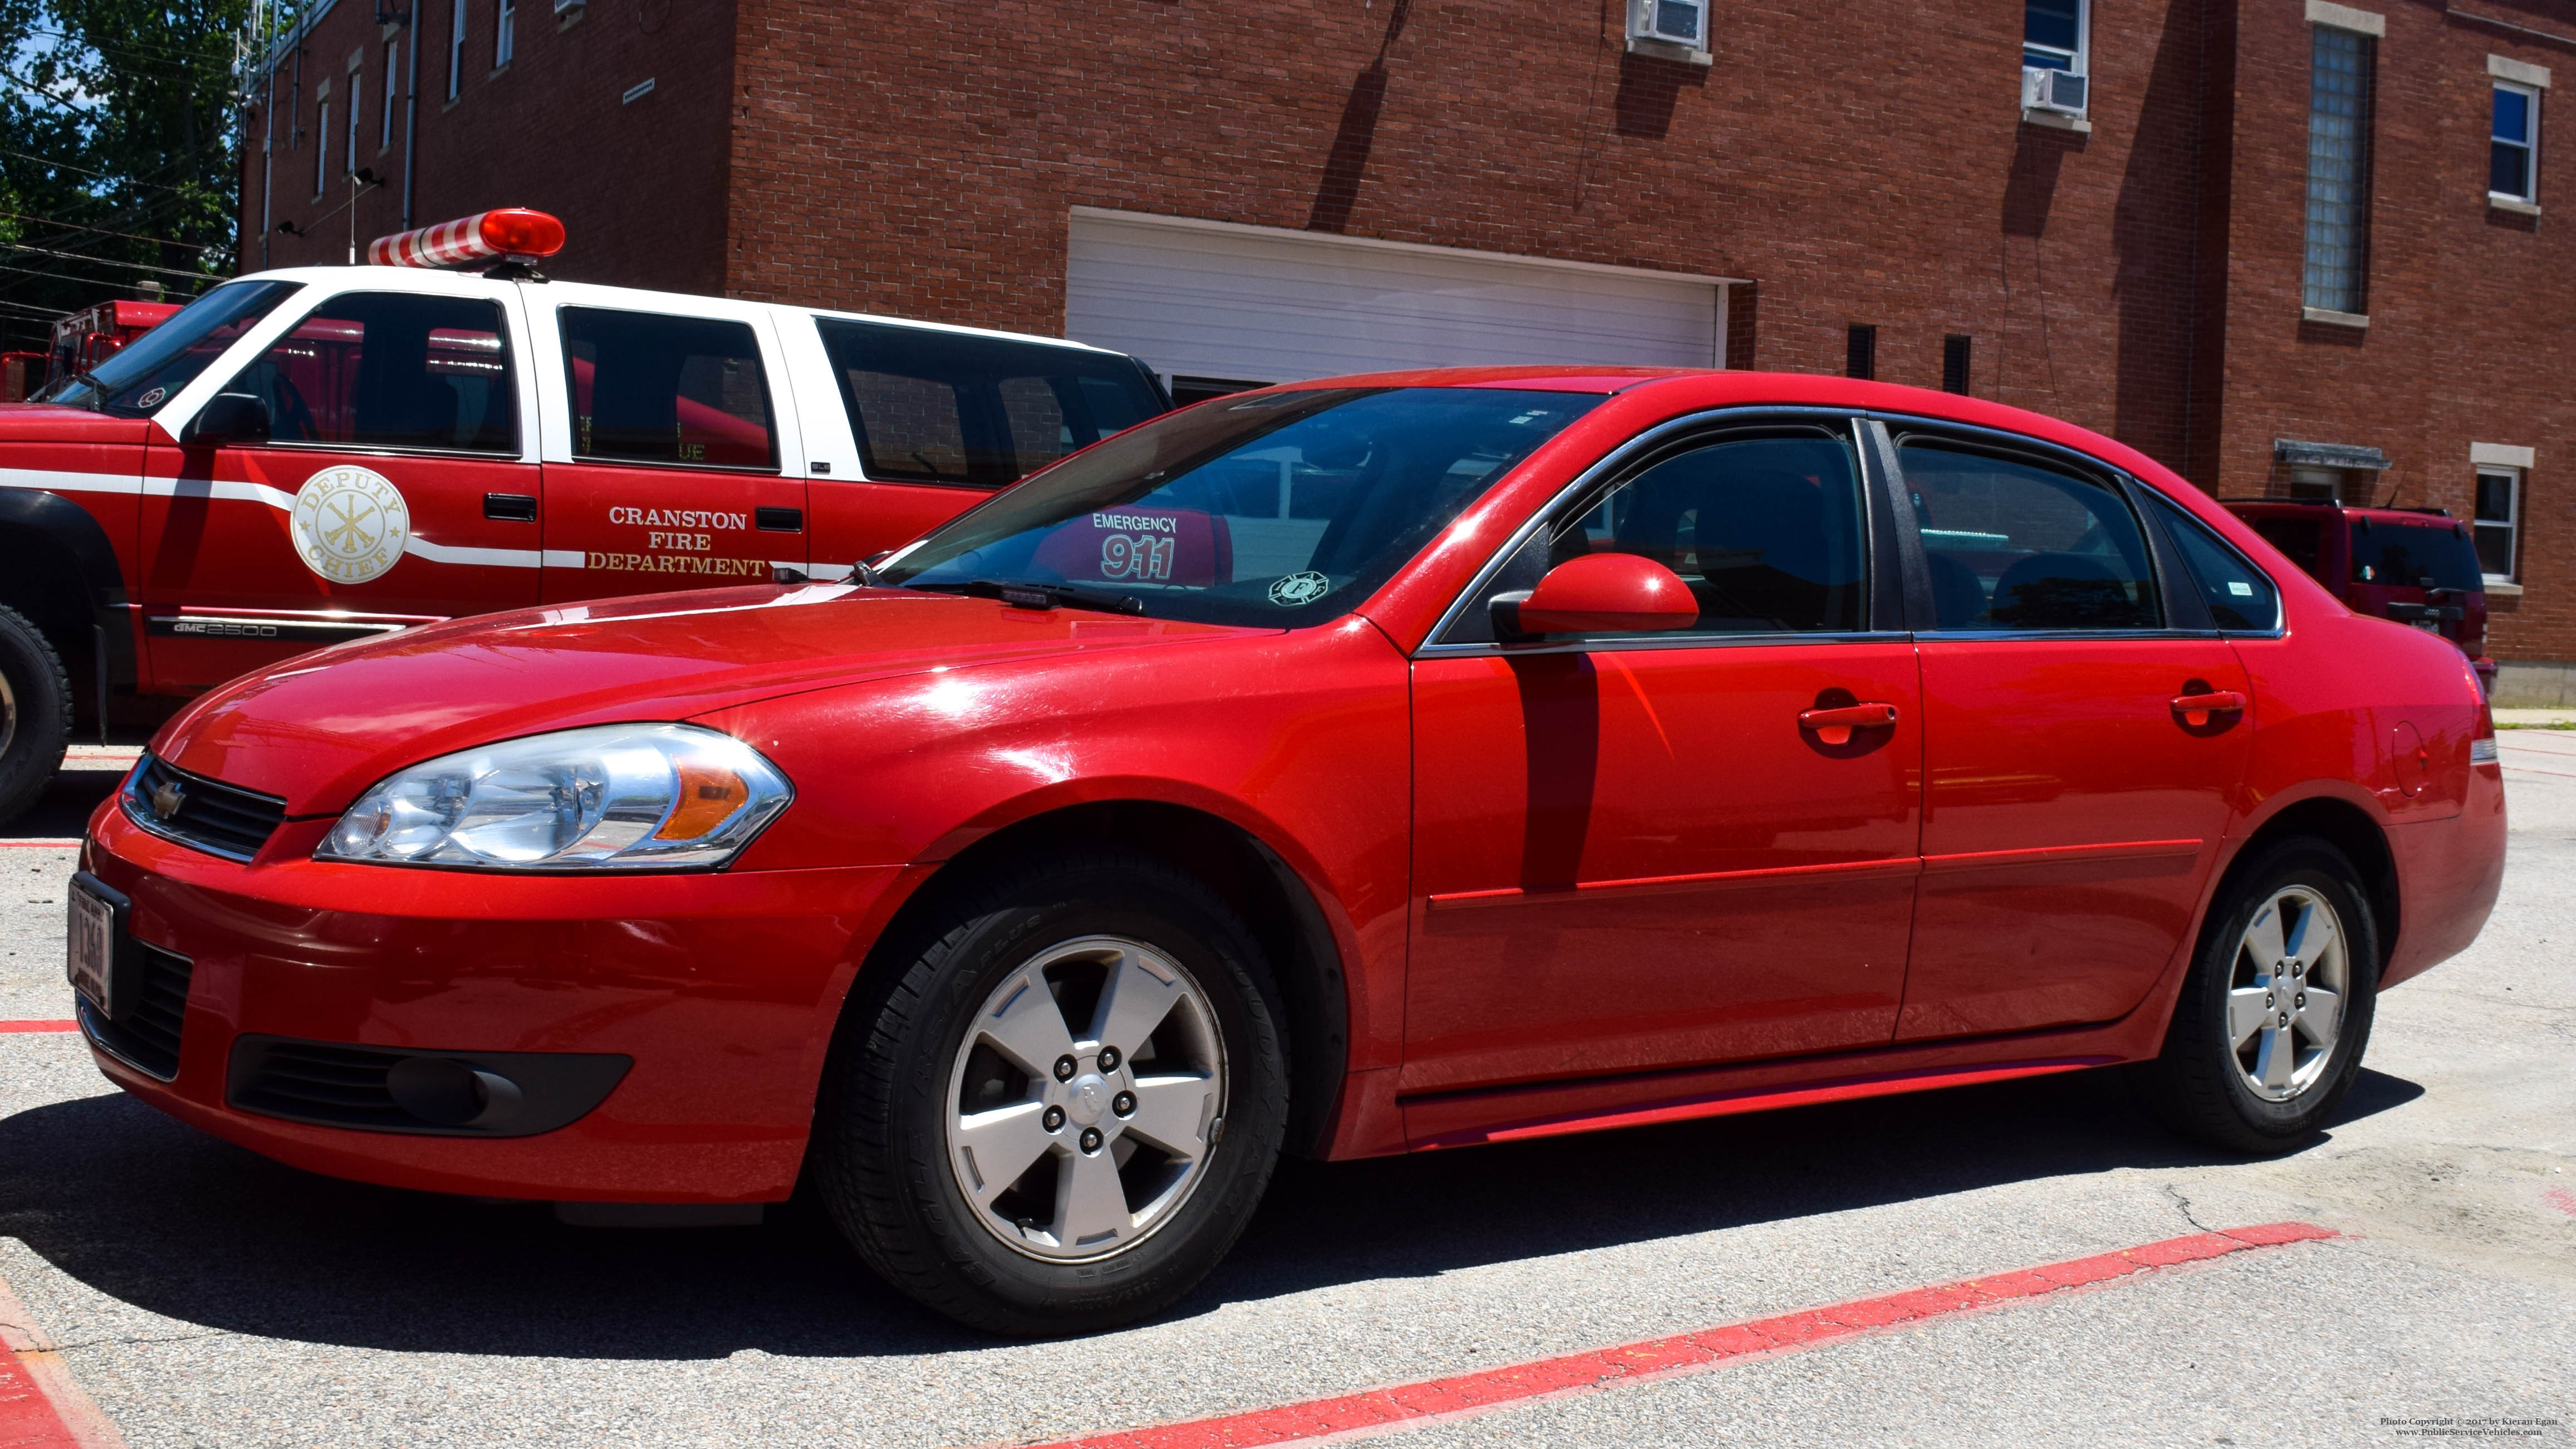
[
  {"x": 2513, "y": 172},
  {"x": 2499, "y": 515},
  {"x": 504, "y": 27},
  {"x": 2052, "y": 35},
  {"x": 1860, "y": 352},
  {"x": 1954, "y": 361},
  {"x": 393, "y": 82},
  {"x": 355, "y": 110},
  {"x": 2338, "y": 257},
  {"x": 321, "y": 143},
  {"x": 456, "y": 51}
]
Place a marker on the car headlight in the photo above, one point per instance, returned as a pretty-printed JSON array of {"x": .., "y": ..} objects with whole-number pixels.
[{"x": 607, "y": 798}]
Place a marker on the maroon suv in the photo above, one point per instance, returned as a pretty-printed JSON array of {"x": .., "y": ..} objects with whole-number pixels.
[{"x": 2414, "y": 565}]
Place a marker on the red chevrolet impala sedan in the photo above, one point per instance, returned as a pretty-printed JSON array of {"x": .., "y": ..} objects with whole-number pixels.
[{"x": 1356, "y": 767}]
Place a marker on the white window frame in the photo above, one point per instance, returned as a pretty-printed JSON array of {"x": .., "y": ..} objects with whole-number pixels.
[
  {"x": 2531, "y": 148},
  {"x": 2079, "y": 61},
  {"x": 2511, "y": 523},
  {"x": 504, "y": 32},
  {"x": 393, "y": 87},
  {"x": 456, "y": 51}
]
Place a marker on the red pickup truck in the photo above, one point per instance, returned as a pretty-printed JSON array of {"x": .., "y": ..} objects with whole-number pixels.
[
  {"x": 2414, "y": 565},
  {"x": 309, "y": 456}
]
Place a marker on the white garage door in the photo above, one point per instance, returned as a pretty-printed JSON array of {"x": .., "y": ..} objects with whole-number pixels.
[{"x": 1199, "y": 299}]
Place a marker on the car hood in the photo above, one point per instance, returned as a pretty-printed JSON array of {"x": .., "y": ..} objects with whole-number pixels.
[
  {"x": 317, "y": 729},
  {"x": 53, "y": 423}
]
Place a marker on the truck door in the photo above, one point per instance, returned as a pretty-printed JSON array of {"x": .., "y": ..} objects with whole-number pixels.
[
  {"x": 396, "y": 486},
  {"x": 671, "y": 455}
]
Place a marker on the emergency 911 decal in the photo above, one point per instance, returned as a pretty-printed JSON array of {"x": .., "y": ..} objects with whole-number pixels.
[{"x": 350, "y": 524}]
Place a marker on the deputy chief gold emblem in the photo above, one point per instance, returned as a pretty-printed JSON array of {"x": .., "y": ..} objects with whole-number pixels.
[{"x": 350, "y": 524}]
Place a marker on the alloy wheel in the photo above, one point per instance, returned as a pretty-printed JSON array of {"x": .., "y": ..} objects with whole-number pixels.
[
  {"x": 2285, "y": 1002},
  {"x": 1085, "y": 1098}
]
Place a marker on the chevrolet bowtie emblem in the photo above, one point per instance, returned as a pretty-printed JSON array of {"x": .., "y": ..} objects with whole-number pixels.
[{"x": 166, "y": 800}]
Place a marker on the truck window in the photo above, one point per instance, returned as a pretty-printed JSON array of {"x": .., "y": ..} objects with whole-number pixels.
[
  {"x": 946, "y": 407},
  {"x": 649, "y": 388},
  {"x": 2413, "y": 555},
  {"x": 391, "y": 370},
  {"x": 2298, "y": 539},
  {"x": 138, "y": 380}
]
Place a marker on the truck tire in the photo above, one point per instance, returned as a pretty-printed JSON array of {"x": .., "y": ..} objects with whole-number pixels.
[{"x": 35, "y": 713}]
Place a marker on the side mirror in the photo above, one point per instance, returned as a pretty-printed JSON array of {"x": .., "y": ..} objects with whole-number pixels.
[
  {"x": 1599, "y": 593},
  {"x": 229, "y": 417}
]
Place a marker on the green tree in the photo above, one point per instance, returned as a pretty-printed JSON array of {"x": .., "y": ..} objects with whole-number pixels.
[{"x": 120, "y": 152}]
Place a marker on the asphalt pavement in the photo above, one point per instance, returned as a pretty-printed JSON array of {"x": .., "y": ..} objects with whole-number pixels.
[{"x": 203, "y": 1296}]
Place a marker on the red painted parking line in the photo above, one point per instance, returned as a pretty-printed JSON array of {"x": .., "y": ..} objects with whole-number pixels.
[
  {"x": 9, "y": 1026},
  {"x": 43, "y": 842},
  {"x": 1408, "y": 1406},
  {"x": 40, "y": 1406},
  {"x": 2527, "y": 770}
]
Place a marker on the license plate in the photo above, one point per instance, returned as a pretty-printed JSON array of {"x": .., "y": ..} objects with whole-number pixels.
[
  {"x": 93, "y": 948},
  {"x": 2429, "y": 626}
]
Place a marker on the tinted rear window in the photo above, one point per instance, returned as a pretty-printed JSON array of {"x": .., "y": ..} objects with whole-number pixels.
[
  {"x": 2298, "y": 539},
  {"x": 2407, "y": 555},
  {"x": 948, "y": 407}
]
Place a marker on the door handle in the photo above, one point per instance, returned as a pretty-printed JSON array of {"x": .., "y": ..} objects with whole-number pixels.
[
  {"x": 1835, "y": 726},
  {"x": 2196, "y": 709}
]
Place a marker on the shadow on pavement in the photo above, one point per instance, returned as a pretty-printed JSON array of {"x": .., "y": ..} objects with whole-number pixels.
[
  {"x": 160, "y": 1216},
  {"x": 63, "y": 810}
]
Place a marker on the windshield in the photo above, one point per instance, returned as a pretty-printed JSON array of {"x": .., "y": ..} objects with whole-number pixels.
[
  {"x": 146, "y": 372},
  {"x": 1280, "y": 509},
  {"x": 2413, "y": 555}
]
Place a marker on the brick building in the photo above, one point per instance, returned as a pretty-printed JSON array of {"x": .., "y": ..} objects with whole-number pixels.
[{"x": 2279, "y": 244}]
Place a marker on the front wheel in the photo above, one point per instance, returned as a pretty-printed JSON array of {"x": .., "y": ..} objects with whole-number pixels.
[
  {"x": 2269, "y": 1031},
  {"x": 35, "y": 713},
  {"x": 1059, "y": 1115}
]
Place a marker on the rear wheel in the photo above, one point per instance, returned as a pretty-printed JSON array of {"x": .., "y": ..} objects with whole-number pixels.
[
  {"x": 1059, "y": 1116},
  {"x": 2269, "y": 1032},
  {"x": 35, "y": 713}
]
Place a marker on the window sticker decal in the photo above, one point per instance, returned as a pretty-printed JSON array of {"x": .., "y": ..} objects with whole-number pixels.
[
  {"x": 350, "y": 524},
  {"x": 1297, "y": 590}
]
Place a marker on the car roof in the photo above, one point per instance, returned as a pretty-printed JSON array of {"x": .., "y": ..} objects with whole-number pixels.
[
  {"x": 2294, "y": 507},
  {"x": 1711, "y": 387},
  {"x": 394, "y": 276}
]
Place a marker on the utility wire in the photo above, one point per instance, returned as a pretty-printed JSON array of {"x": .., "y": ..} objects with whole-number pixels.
[
  {"x": 135, "y": 180},
  {"x": 106, "y": 262},
  {"x": 103, "y": 231}
]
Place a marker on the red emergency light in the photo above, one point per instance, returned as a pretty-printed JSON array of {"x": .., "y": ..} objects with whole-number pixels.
[{"x": 511, "y": 233}]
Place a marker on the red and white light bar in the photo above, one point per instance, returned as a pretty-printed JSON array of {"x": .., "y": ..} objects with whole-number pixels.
[{"x": 510, "y": 233}]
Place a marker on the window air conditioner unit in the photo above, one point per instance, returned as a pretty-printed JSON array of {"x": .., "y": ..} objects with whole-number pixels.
[
  {"x": 1675, "y": 29},
  {"x": 2052, "y": 90},
  {"x": 1683, "y": 22}
]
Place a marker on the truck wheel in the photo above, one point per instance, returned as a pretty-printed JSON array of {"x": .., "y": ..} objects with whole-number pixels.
[
  {"x": 2268, "y": 1034},
  {"x": 1060, "y": 1112},
  {"x": 35, "y": 713}
]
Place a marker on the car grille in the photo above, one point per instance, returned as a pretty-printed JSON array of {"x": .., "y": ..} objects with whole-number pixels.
[
  {"x": 148, "y": 1038},
  {"x": 212, "y": 816},
  {"x": 311, "y": 1081}
]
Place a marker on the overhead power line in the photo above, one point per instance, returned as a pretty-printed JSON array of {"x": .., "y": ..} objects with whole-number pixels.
[
  {"x": 106, "y": 262},
  {"x": 101, "y": 175},
  {"x": 128, "y": 235}
]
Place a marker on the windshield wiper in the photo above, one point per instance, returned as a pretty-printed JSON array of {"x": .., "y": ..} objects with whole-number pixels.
[{"x": 1035, "y": 596}]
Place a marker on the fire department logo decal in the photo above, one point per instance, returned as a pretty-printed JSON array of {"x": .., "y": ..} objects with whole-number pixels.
[{"x": 350, "y": 524}]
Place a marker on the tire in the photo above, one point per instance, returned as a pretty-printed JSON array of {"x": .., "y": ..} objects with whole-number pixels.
[
  {"x": 35, "y": 713},
  {"x": 939, "y": 1086},
  {"x": 2248, "y": 1064}
]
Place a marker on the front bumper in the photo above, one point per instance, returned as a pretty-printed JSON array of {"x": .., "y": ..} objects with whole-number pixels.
[{"x": 721, "y": 988}]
